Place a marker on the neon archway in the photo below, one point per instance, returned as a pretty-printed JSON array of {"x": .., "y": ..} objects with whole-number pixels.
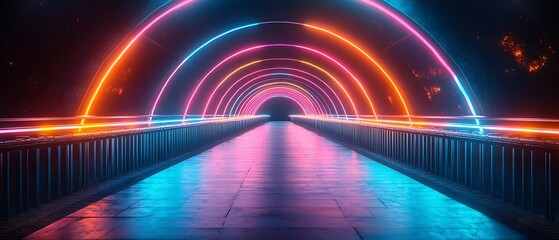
[
  {"x": 307, "y": 25},
  {"x": 279, "y": 86},
  {"x": 309, "y": 49},
  {"x": 183, "y": 4},
  {"x": 279, "y": 76},
  {"x": 339, "y": 84},
  {"x": 262, "y": 95}
]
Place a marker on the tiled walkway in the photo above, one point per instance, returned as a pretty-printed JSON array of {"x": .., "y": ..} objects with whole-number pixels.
[{"x": 278, "y": 181}]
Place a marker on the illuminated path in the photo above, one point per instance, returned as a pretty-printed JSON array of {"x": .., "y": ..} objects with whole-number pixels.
[{"x": 268, "y": 184}]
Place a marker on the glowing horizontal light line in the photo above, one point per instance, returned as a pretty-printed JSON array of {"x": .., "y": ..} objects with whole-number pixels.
[
  {"x": 104, "y": 125},
  {"x": 439, "y": 124}
]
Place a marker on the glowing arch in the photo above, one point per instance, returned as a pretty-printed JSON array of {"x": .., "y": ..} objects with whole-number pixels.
[
  {"x": 310, "y": 26},
  {"x": 340, "y": 85},
  {"x": 282, "y": 96},
  {"x": 312, "y": 50},
  {"x": 277, "y": 86},
  {"x": 310, "y": 109},
  {"x": 382, "y": 9},
  {"x": 300, "y": 87},
  {"x": 241, "y": 108},
  {"x": 276, "y": 76},
  {"x": 330, "y": 76}
]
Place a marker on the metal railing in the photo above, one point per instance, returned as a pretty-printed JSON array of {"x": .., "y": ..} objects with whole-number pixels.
[
  {"x": 523, "y": 173},
  {"x": 36, "y": 173}
]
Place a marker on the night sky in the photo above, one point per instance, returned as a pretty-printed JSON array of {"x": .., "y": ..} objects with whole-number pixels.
[{"x": 52, "y": 50}]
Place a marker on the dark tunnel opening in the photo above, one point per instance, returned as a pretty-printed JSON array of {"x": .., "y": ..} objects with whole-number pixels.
[{"x": 280, "y": 108}]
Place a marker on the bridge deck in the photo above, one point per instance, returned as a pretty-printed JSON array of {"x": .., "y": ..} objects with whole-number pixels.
[{"x": 278, "y": 181}]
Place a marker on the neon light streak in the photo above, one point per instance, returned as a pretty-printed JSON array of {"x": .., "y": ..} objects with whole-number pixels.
[
  {"x": 118, "y": 124},
  {"x": 193, "y": 95},
  {"x": 138, "y": 35},
  {"x": 437, "y": 55},
  {"x": 340, "y": 85},
  {"x": 262, "y": 78},
  {"x": 290, "y": 87}
]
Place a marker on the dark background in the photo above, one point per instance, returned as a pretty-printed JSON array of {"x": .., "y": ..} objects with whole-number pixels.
[{"x": 50, "y": 50}]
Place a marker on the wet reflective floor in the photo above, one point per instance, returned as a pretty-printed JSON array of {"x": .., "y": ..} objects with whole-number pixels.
[{"x": 278, "y": 181}]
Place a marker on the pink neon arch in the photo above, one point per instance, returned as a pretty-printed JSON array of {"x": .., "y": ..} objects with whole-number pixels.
[
  {"x": 255, "y": 109},
  {"x": 248, "y": 99},
  {"x": 370, "y": 3},
  {"x": 262, "y": 97},
  {"x": 326, "y": 56},
  {"x": 297, "y": 70},
  {"x": 288, "y": 87},
  {"x": 265, "y": 80},
  {"x": 280, "y": 96},
  {"x": 260, "y": 77},
  {"x": 246, "y": 109},
  {"x": 271, "y": 74},
  {"x": 280, "y": 81}
]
